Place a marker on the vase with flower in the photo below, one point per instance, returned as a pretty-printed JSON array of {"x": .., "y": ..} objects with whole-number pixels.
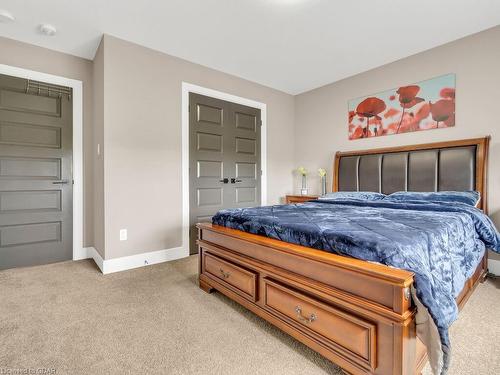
[
  {"x": 322, "y": 176},
  {"x": 303, "y": 172}
]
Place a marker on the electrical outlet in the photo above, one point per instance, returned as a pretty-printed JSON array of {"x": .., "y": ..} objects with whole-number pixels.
[{"x": 123, "y": 235}]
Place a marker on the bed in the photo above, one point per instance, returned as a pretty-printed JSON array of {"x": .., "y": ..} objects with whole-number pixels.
[{"x": 358, "y": 314}]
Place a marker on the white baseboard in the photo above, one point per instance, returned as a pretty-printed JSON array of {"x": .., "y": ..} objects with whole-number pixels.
[
  {"x": 133, "y": 261},
  {"x": 93, "y": 254},
  {"x": 144, "y": 259},
  {"x": 494, "y": 266}
]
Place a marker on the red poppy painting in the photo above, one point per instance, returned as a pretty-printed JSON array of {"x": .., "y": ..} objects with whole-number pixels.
[{"x": 422, "y": 106}]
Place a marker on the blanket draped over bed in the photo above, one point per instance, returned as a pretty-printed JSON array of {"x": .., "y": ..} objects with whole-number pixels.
[{"x": 441, "y": 243}]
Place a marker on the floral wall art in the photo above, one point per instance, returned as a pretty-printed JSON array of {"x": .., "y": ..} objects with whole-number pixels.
[{"x": 425, "y": 105}]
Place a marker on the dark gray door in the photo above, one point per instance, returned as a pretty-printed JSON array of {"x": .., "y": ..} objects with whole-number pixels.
[
  {"x": 35, "y": 175},
  {"x": 224, "y": 165}
]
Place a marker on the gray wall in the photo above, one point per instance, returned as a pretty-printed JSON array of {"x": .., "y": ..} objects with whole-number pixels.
[
  {"x": 142, "y": 142},
  {"x": 321, "y": 114},
  {"x": 39, "y": 59}
]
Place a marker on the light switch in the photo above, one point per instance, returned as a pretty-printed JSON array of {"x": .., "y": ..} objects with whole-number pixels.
[{"x": 123, "y": 235}]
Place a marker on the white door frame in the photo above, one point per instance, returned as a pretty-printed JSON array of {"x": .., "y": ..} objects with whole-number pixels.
[
  {"x": 78, "y": 251},
  {"x": 191, "y": 88}
]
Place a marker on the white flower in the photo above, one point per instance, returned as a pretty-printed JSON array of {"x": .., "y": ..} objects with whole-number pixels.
[{"x": 302, "y": 171}]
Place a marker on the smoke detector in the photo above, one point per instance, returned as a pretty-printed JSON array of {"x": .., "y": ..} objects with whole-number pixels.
[
  {"x": 48, "y": 29},
  {"x": 6, "y": 16}
]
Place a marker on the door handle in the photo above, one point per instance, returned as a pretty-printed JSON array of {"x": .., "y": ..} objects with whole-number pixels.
[
  {"x": 234, "y": 180},
  {"x": 224, "y": 180},
  {"x": 62, "y": 182}
]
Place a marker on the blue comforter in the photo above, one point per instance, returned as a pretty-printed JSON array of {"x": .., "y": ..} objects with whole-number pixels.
[{"x": 441, "y": 243}]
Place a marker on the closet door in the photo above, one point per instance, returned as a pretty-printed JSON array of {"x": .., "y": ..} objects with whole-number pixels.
[
  {"x": 36, "y": 183},
  {"x": 224, "y": 167}
]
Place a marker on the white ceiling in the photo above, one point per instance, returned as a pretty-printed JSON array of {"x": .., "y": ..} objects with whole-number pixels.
[{"x": 290, "y": 45}]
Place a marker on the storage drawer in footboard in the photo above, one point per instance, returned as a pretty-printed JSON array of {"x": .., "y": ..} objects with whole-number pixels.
[
  {"x": 233, "y": 276},
  {"x": 350, "y": 336}
]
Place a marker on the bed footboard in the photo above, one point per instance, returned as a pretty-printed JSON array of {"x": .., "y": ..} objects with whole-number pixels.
[{"x": 355, "y": 313}]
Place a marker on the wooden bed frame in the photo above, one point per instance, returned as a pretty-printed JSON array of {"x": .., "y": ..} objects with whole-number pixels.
[{"x": 357, "y": 314}]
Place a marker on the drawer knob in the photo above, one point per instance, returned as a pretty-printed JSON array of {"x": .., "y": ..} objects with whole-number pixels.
[
  {"x": 305, "y": 319},
  {"x": 225, "y": 275}
]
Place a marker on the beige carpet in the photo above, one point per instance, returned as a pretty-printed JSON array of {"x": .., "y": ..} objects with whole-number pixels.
[{"x": 155, "y": 320}]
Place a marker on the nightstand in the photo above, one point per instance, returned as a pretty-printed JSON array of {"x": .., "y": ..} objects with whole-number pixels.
[{"x": 299, "y": 198}]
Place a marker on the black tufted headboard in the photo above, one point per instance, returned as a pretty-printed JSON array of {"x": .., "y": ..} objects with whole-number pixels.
[{"x": 453, "y": 165}]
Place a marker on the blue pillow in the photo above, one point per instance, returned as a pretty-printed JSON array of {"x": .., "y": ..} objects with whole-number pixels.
[
  {"x": 468, "y": 197},
  {"x": 360, "y": 195}
]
